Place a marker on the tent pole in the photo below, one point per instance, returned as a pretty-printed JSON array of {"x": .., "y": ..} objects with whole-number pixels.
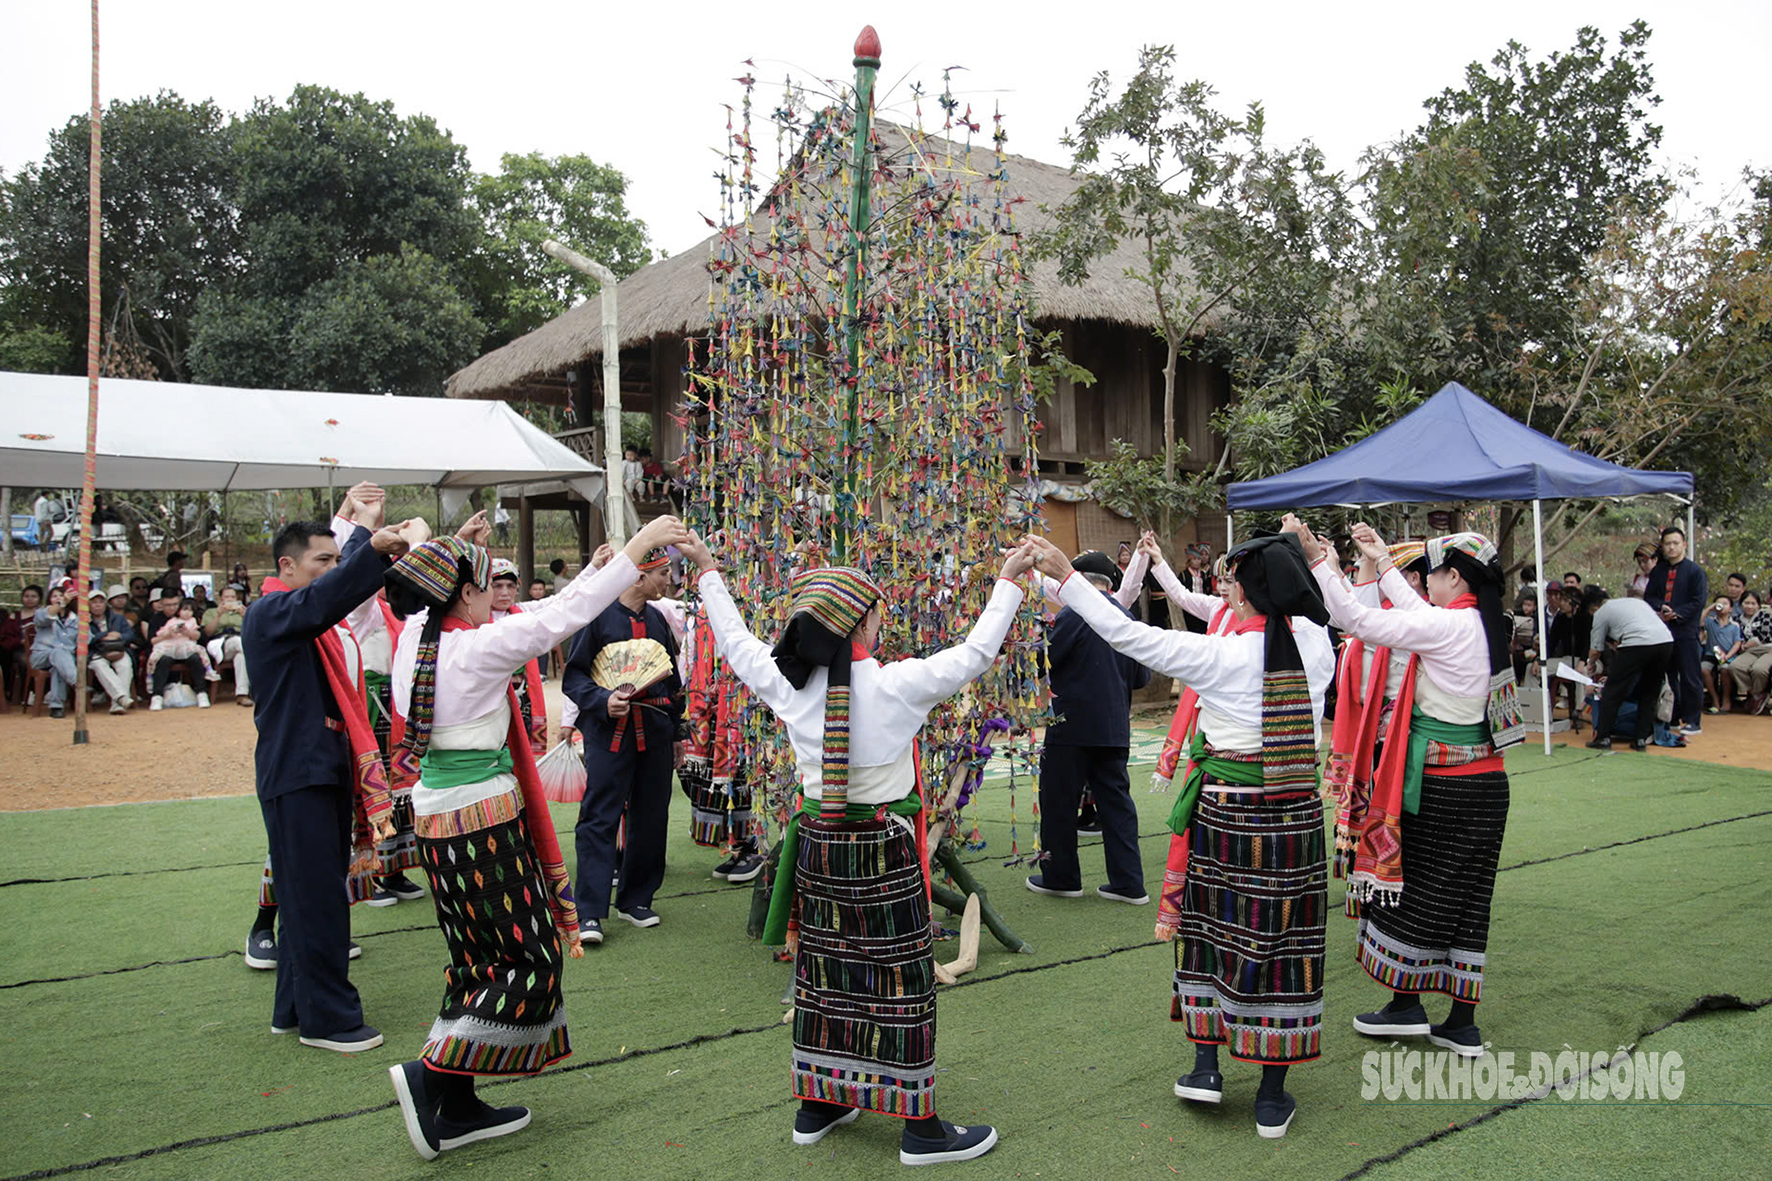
[
  {"x": 1229, "y": 536},
  {"x": 1691, "y": 537},
  {"x": 1543, "y": 637}
]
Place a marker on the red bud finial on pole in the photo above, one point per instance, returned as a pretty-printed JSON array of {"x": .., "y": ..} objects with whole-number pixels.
[{"x": 867, "y": 47}]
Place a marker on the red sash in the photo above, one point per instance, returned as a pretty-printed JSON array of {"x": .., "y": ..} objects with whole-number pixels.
[
  {"x": 1180, "y": 738},
  {"x": 371, "y": 799}
]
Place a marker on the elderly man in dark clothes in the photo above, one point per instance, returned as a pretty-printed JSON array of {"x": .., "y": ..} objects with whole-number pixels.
[
  {"x": 304, "y": 764},
  {"x": 1086, "y": 748}
]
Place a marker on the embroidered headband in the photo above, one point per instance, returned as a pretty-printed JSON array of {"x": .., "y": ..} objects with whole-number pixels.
[{"x": 433, "y": 569}]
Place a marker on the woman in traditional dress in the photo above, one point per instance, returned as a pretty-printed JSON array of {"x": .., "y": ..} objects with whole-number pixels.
[
  {"x": 1439, "y": 796},
  {"x": 496, "y": 874},
  {"x": 852, "y": 894},
  {"x": 1247, "y": 882}
]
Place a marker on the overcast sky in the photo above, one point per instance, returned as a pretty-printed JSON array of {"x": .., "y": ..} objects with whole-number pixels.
[{"x": 640, "y": 85}]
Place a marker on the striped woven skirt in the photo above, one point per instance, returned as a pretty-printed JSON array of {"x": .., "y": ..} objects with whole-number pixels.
[
  {"x": 864, "y": 975},
  {"x": 719, "y": 809},
  {"x": 1436, "y": 937},
  {"x": 357, "y": 886},
  {"x": 502, "y": 1009},
  {"x": 1249, "y": 953}
]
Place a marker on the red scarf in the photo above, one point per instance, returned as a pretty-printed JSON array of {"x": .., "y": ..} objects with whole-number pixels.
[
  {"x": 538, "y": 705},
  {"x": 542, "y": 840},
  {"x": 714, "y": 736},
  {"x": 1180, "y": 738},
  {"x": 372, "y": 802}
]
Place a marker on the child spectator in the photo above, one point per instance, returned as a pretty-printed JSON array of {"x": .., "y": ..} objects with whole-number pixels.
[
  {"x": 631, "y": 472},
  {"x": 1722, "y": 643},
  {"x": 178, "y": 641},
  {"x": 654, "y": 473}
]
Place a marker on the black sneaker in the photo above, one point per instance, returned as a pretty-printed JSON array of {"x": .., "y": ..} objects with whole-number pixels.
[
  {"x": 590, "y": 932},
  {"x": 350, "y": 1041},
  {"x": 261, "y": 950},
  {"x": 403, "y": 888},
  {"x": 959, "y": 1144},
  {"x": 381, "y": 896},
  {"x": 485, "y": 1124},
  {"x": 1465, "y": 1042},
  {"x": 1596, "y": 743},
  {"x": 1037, "y": 883},
  {"x": 747, "y": 869},
  {"x": 1274, "y": 1116},
  {"x": 1202, "y": 1086},
  {"x": 356, "y": 952},
  {"x": 1639, "y": 745},
  {"x": 640, "y": 916},
  {"x": 810, "y": 1128},
  {"x": 724, "y": 870},
  {"x": 1120, "y": 895},
  {"x": 1391, "y": 1021},
  {"x": 1088, "y": 823},
  {"x": 418, "y": 1108}
]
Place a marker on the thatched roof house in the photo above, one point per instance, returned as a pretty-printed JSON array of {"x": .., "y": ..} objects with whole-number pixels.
[{"x": 1107, "y": 321}]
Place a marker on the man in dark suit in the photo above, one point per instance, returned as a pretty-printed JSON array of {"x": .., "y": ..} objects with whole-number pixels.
[
  {"x": 630, "y": 748},
  {"x": 303, "y": 761},
  {"x": 1092, "y": 689},
  {"x": 1679, "y": 592}
]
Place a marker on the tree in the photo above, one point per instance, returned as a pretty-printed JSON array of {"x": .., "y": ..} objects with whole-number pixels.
[
  {"x": 355, "y": 238},
  {"x": 533, "y": 197},
  {"x": 169, "y": 233},
  {"x": 1236, "y": 237}
]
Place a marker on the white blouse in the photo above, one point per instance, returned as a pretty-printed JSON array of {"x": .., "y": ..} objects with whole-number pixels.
[
  {"x": 1453, "y": 648},
  {"x": 888, "y": 702},
  {"x": 1224, "y": 670}
]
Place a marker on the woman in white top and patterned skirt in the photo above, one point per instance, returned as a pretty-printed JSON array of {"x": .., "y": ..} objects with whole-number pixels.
[
  {"x": 1425, "y": 852},
  {"x": 485, "y": 838},
  {"x": 852, "y": 893}
]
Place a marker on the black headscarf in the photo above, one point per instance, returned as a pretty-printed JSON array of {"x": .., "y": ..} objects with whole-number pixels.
[{"x": 1277, "y": 581}]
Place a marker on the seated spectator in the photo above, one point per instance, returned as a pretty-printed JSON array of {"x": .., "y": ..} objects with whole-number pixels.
[
  {"x": 221, "y": 636},
  {"x": 12, "y": 653},
  {"x": 138, "y": 593},
  {"x": 1752, "y": 668},
  {"x": 241, "y": 581},
  {"x": 1645, "y": 557},
  {"x": 1735, "y": 586},
  {"x": 53, "y": 647},
  {"x": 18, "y": 661},
  {"x": 107, "y": 651},
  {"x": 631, "y": 472},
  {"x": 1524, "y": 645},
  {"x": 1563, "y": 644},
  {"x": 199, "y": 598},
  {"x": 656, "y": 484},
  {"x": 1722, "y": 643},
  {"x": 177, "y": 644}
]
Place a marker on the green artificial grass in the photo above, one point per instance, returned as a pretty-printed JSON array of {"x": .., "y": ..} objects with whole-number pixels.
[{"x": 680, "y": 1059}]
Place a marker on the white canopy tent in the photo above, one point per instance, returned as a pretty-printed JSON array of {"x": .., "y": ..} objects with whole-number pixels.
[{"x": 215, "y": 438}]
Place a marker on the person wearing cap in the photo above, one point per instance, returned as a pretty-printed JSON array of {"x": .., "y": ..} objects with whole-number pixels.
[
  {"x": 1085, "y": 750},
  {"x": 318, "y": 772},
  {"x": 108, "y": 649},
  {"x": 851, "y": 897},
  {"x": 1644, "y": 557},
  {"x": 1246, "y": 889},
  {"x": 1426, "y": 849},
  {"x": 629, "y": 753}
]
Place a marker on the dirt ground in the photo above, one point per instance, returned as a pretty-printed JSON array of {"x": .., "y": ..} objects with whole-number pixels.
[{"x": 194, "y": 753}]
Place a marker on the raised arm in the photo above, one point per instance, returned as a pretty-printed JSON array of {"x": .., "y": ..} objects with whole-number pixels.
[
  {"x": 1179, "y": 654},
  {"x": 1200, "y": 606},
  {"x": 746, "y": 655},
  {"x": 308, "y": 613},
  {"x": 1434, "y": 631},
  {"x": 1396, "y": 588},
  {"x": 521, "y": 637},
  {"x": 1132, "y": 581},
  {"x": 927, "y": 682}
]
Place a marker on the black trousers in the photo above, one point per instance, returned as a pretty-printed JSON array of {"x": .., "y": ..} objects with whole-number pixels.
[
  {"x": 310, "y": 839},
  {"x": 640, "y": 781},
  {"x": 1064, "y": 772},
  {"x": 163, "y": 675},
  {"x": 1636, "y": 674},
  {"x": 1688, "y": 679}
]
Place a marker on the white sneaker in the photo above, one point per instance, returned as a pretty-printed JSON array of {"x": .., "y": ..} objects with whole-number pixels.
[
  {"x": 202, "y": 701},
  {"x": 156, "y": 702},
  {"x": 212, "y": 675},
  {"x": 117, "y": 707}
]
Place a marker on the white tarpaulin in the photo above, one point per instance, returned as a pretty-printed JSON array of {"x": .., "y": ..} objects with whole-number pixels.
[{"x": 157, "y": 435}]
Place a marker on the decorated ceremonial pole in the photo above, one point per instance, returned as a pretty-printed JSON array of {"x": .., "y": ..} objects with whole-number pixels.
[
  {"x": 88, "y": 480},
  {"x": 867, "y": 68}
]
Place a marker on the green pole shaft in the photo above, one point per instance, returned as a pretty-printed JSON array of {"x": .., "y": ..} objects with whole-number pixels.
[{"x": 867, "y": 67}]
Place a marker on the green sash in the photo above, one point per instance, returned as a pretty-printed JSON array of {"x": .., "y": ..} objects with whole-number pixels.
[
  {"x": 781, "y": 900},
  {"x": 441, "y": 770},
  {"x": 1199, "y": 764},
  {"x": 373, "y": 683},
  {"x": 1423, "y": 730}
]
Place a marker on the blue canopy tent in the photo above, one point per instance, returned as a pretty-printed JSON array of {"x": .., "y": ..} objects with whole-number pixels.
[{"x": 1455, "y": 446}]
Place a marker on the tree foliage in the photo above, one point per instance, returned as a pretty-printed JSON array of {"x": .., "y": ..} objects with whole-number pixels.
[{"x": 572, "y": 199}]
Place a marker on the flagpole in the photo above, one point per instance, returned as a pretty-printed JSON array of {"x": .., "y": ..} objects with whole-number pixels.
[
  {"x": 867, "y": 67},
  {"x": 82, "y": 583}
]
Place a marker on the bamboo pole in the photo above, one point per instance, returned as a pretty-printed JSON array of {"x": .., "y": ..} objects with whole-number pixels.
[
  {"x": 615, "y": 521},
  {"x": 867, "y": 67},
  {"x": 88, "y": 477}
]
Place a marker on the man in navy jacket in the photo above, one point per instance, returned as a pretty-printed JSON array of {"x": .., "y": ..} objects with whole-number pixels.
[
  {"x": 1679, "y": 592},
  {"x": 303, "y": 763},
  {"x": 630, "y": 747},
  {"x": 1092, "y": 689}
]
